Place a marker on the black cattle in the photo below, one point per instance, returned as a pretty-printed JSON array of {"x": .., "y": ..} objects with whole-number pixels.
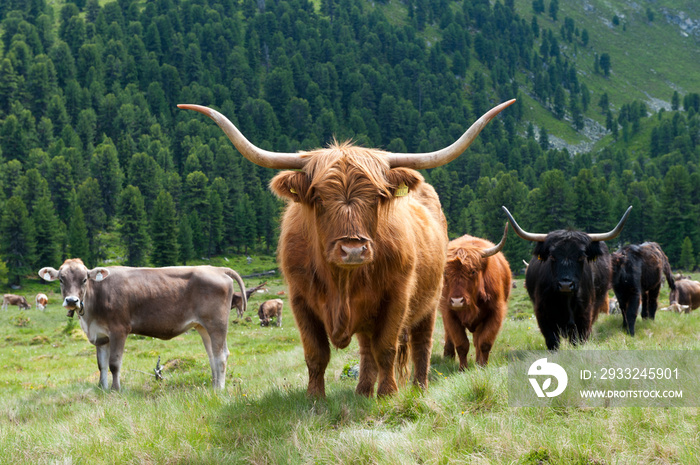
[
  {"x": 567, "y": 280},
  {"x": 638, "y": 272}
]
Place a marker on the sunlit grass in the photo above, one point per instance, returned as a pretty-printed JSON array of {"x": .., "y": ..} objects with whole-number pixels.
[{"x": 51, "y": 410}]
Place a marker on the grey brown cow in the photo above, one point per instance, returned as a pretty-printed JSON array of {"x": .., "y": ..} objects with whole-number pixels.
[
  {"x": 270, "y": 309},
  {"x": 685, "y": 297},
  {"x": 12, "y": 299},
  {"x": 237, "y": 301},
  {"x": 116, "y": 301}
]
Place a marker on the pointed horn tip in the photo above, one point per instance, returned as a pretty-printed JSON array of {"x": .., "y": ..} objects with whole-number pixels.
[{"x": 188, "y": 106}]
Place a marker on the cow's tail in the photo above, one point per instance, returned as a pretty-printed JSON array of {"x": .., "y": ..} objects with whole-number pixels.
[
  {"x": 236, "y": 277},
  {"x": 402, "y": 355},
  {"x": 669, "y": 274}
]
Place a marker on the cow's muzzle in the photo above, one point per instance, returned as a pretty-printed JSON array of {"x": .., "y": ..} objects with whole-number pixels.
[
  {"x": 457, "y": 302},
  {"x": 353, "y": 252},
  {"x": 567, "y": 285},
  {"x": 71, "y": 302}
]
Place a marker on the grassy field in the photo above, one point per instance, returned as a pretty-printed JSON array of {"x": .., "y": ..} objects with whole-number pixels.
[{"x": 51, "y": 410}]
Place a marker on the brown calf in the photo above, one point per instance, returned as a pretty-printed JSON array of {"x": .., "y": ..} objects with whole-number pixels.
[
  {"x": 474, "y": 296},
  {"x": 268, "y": 310}
]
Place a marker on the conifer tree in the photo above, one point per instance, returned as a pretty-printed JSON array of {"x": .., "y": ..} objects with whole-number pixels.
[
  {"x": 184, "y": 240},
  {"x": 48, "y": 233},
  {"x": 17, "y": 240},
  {"x": 164, "y": 231},
  {"x": 687, "y": 260},
  {"x": 78, "y": 244},
  {"x": 134, "y": 227}
]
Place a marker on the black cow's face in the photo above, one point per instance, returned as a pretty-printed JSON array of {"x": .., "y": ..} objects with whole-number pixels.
[{"x": 567, "y": 254}]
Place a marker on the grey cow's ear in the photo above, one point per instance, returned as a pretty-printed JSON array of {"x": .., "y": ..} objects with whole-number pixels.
[
  {"x": 49, "y": 274},
  {"x": 98, "y": 274}
]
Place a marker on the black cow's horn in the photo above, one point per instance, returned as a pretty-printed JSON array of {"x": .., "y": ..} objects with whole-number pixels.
[
  {"x": 521, "y": 232},
  {"x": 594, "y": 237},
  {"x": 615, "y": 232},
  {"x": 279, "y": 160},
  {"x": 496, "y": 248}
]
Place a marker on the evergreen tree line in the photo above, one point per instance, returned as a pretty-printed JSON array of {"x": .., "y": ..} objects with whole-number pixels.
[{"x": 96, "y": 158}]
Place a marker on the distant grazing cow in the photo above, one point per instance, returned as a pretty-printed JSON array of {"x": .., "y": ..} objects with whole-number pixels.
[
  {"x": 12, "y": 299},
  {"x": 474, "y": 296},
  {"x": 362, "y": 247},
  {"x": 638, "y": 272},
  {"x": 41, "y": 301},
  {"x": 237, "y": 301},
  {"x": 268, "y": 310},
  {"x": 613, "y": 306},
  {"x": 163, "y": 303},
  {"x": 686, "y": 295},
  {"x": 568, "y": 280}
]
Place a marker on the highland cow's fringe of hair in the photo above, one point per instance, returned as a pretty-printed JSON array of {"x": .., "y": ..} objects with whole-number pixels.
[{"x": 402, "y": 355}]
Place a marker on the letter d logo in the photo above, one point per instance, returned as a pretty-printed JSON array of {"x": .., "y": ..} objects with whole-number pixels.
[{"x": 550, "y": 369}]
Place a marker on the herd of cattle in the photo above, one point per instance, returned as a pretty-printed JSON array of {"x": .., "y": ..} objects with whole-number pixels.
[{"x": 364, "y": 251}]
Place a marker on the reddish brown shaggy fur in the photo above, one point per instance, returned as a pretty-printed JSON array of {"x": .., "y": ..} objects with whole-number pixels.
[
  {"x": 483, "y": 285},
  {"x": 344, "y": 198}
]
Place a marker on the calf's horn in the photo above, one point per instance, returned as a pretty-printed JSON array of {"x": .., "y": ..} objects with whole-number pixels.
[
  {"x": 280, "y": 160},
  {"x": 496, "y": 248}
]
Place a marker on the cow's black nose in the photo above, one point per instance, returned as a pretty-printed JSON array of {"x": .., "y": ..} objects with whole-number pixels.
[
  {"x": 71, "y": 301},
  {"x": 566, "y": 285}
]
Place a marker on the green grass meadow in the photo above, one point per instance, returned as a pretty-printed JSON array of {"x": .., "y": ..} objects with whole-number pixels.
[{"x": 52, "y": 412}]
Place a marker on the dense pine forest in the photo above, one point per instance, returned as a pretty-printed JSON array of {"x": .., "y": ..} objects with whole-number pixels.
[{"x": 97, "y": 162}]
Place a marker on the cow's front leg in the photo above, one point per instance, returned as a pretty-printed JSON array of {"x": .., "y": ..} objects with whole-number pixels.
[
  {"x": 455, "y": 331},
  {"x": 421, "y": 343},
  {"x": 484, "y": 337},
  {"x": 103, "y": 364},
  {"x": 368, "y": 367},
  {"x": 116, "y": 351},
  {"x": 317, "y": 350}
]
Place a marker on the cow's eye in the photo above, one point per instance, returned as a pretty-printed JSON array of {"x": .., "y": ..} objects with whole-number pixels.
[{"x": 84, "y": 280}]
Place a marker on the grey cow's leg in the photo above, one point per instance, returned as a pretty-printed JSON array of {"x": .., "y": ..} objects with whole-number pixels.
[
  {"x": 215, "y": 345},
  {"x": 103, "y": 364},
  {"x": 116, "y": 352}
]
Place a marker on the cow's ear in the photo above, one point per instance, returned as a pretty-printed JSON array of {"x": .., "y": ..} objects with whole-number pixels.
[
  {"x": 98, "y": 274},
  {"x": 48, "y": 273},
  {"x": 595, "y": 249},
  {"x": 292, "y": 185},
  {"x": 402, "y": 180},
  {"x": 540, "y": 251}
]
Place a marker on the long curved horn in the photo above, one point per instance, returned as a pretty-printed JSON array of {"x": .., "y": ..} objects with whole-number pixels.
[
  {"x": 441, "y": 157},
  {"x": 521, "y": 232},
  {"x": 264, "y": 158},
  {"x": 496, "y": 248},
  {"x": 615, "y": 232}
]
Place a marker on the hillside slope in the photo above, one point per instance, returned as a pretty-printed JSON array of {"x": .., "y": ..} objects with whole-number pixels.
[{"x": 650, "y": 59}]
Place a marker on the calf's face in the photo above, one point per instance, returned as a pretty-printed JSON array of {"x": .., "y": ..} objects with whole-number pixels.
[{"x": 464, "y": 281}]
